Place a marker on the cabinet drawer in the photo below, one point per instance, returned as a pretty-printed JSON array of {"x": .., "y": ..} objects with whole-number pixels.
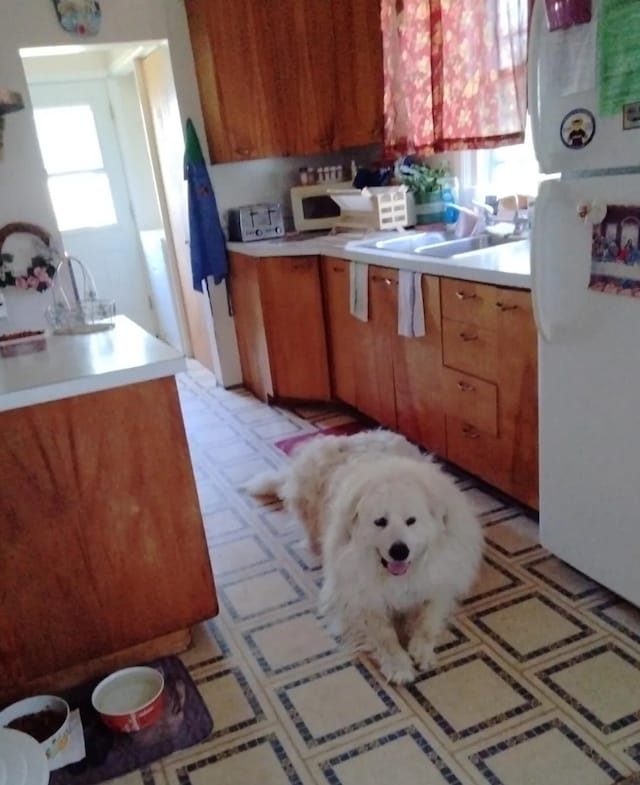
[
  {"x": 467, "y": 347},
  {"x": 470, "y": 302},
  {"x": 471, "y": 399},
  {"x": 478, "y": 452}
]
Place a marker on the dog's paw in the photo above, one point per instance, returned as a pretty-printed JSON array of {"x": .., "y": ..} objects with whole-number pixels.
[
  {"x": 422, "y": 653},
  {"x": 398, "y": 669}
]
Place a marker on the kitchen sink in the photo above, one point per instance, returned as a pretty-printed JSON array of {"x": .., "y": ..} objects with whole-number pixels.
[
  {"x": 454, "y": 247},
  {"x": 405, "y": 243}
]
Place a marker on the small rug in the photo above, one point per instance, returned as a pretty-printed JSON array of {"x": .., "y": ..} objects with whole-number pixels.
[
  {"x": 185, "y": 722},
  {"x": 347, "y": 429}
]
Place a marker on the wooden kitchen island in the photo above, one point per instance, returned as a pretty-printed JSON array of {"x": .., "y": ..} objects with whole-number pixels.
[{"x": 102, "y": 546}]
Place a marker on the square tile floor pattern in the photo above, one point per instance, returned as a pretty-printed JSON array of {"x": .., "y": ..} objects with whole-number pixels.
[{"x": 537, "y": 680}]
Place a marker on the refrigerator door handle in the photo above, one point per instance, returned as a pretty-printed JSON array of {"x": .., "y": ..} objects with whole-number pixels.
[
  {"x": 539, "y": 222},
  {"x": 534, "y": 80}
]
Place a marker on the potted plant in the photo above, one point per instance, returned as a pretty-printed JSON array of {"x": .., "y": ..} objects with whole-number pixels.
[{"x": 426, "y": 184}]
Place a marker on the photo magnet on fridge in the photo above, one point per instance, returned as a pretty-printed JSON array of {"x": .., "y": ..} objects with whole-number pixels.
[
  {"x": 615, "y": 251},
  {"x": 577, "y": 129},
  {"x": 631, "y": 116}
]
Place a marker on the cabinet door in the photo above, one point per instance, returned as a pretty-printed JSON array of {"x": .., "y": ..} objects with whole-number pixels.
[
  {"x": 291, "y": 297},
  {"x": 237, "y": 67},
  {"x": 303, "y": 50},
  {"x": 518, "y": 393},
  {"x": 417, "y": 373},
  {"x": 359, "y": 80},
  {"x": 375, "y": 390},
  {"x": 345, "y": 333},
  {"x": 249, "y": 323}
]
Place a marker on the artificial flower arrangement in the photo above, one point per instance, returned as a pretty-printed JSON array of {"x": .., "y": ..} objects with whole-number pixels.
[{"x": 38, "y": 275}]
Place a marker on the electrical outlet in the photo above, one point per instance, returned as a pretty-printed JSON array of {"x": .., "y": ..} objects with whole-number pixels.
[{"x": 4, "y": 313}]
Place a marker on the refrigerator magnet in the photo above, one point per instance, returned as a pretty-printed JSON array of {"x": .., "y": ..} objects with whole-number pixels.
[
  {"x": 577, "y": 129},
  {"x": 631, "y": 116}
]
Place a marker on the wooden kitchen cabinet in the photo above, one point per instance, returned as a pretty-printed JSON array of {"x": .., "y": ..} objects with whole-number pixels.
[
  {"x": 98, "y": 490},
  {"x": 359, "y": 75},
  {"x": 237, "y": 68},
  {"x": 287, "y": 77},
  {"x": 490, "y": 354},
  {"x": 418, "y": 376},
  {"x": 346, "y": 335},
  {"x": 280, "y": 327}
]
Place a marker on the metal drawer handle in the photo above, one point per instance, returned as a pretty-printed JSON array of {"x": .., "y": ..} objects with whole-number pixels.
[
  {"x": 338, "y": 269},
  {"x": 470, "y": 432},
  {"x": 465, "y": 387},
  {"x": 378, "y": 279},
  {"x": 467, "y": 337},
  {"x": 505, "y": 307},
  {"x": 466, "y": 296}
]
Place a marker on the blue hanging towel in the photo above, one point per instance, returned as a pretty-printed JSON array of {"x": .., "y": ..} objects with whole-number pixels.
[{"x": 207, "y": 241}]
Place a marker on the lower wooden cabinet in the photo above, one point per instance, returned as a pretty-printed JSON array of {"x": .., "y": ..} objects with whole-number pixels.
[
  {"x": 279, "y": 321},
  {"x": 466, "y": 390}
]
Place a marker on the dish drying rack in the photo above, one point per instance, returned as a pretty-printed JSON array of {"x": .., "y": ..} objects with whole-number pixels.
[
  {"x": 80, "y": 311},
  {"x": 377, "y": 208}
]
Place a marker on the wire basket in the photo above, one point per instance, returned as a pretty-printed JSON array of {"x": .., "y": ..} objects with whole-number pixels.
[
  {"x": 80, "y": 311},
  {"x": 374, "y": 208}
]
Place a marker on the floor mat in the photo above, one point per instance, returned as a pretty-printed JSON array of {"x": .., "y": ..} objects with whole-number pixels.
[
  {"x": 346, "y": 429},
  {"x": 185, "y": 722}
]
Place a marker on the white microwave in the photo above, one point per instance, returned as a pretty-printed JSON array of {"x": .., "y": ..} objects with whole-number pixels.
[{"x": 313, "y": 208}]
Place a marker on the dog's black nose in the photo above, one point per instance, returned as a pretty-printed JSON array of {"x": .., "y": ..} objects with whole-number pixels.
[{"x": 398, "y": 551}]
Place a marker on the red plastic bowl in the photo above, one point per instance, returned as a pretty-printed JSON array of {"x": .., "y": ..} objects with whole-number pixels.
[{"x": 130, "y": 699}]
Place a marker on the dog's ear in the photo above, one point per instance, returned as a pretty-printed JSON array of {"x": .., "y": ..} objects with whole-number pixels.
[{"x": 432, "y": 484}]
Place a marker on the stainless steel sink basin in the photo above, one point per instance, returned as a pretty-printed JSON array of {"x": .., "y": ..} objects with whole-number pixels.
[
  {"x": 405, "y": 243},
  {"x": 464, "y": 245}
]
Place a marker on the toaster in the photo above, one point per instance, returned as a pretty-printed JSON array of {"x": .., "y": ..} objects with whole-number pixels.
[{"x": 255, "y": 222}]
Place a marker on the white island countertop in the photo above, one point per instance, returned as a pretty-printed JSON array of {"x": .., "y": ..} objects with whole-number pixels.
[
  {"x": 78, "y": 364},
  {"x": 506, "y": 264}
]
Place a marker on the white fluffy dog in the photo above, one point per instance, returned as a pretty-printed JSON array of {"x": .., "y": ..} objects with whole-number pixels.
[{"x": 399, "y": 541}]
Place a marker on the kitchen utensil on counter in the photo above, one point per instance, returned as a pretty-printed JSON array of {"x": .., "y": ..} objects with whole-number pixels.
[
  {"x": 42, "y": 717},
  {"x": 130, "y": 699},
  {"x": 371, "y": 208},
  {"x": 255, "y": 222},
  {"x": 77, "y": 312},
  {"x": 22, "y": 759}
]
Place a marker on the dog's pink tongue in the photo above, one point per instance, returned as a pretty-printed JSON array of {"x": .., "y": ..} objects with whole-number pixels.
[{"x": 397, "y": 567}]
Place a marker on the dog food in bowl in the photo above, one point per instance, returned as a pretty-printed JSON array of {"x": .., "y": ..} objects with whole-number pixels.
[
  {"x": 43, "y": 717},
  {"x": 130, "y": 699}
]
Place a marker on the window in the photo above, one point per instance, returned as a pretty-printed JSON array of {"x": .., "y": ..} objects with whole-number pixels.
[{"x": 78, "y": 184}]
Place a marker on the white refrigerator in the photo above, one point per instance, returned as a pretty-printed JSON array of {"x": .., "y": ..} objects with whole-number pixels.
[{"x": 586, "y": 295}]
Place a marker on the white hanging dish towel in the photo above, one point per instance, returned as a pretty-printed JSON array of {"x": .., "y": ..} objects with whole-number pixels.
[
  {"x": 359, "y": 290},
  {"x": 410, "y": 305}
]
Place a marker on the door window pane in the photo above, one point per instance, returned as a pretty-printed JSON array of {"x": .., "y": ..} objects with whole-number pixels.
[
  {"x": 68, "y": 139},
  {"x": 82, "y": 200}
]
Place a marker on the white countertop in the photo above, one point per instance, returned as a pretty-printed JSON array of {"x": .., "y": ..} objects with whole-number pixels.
[
  {"x": 79, "y": 364},
  {"x": 507, "y": 264}
]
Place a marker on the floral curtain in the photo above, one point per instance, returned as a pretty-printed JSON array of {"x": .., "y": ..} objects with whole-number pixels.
[{"x": 454, "y": 73}]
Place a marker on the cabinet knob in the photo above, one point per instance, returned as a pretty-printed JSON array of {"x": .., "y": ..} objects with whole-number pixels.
[
  {"x": 468, "y": 336},
  {"x": 506, "y": 307},
  {"x": 466, "y": 295},
  {"x": 469, "y": 432},
  {"x": 380, "y": 279},
  {"x": 465, "y": 387}
]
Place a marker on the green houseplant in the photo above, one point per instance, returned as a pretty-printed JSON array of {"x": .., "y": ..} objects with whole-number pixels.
[{"x": 426, "y": 184}]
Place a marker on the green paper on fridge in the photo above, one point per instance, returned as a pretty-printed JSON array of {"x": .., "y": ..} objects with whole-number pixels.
[{"x": 618, "y": 55}]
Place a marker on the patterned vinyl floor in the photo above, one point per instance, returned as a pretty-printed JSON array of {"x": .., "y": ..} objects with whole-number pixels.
[{"x": 537, "y": 682}]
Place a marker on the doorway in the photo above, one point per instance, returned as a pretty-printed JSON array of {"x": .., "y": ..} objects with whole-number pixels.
[{"x": 101, "y": 181}]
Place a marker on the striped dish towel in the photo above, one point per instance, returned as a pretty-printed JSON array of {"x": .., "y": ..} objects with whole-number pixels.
[
  {"x": 410, "y": 305},
  {"x": 359, "y": 290}
]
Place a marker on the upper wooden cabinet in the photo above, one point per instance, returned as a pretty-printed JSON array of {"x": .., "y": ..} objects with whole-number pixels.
[
  {"x": 359, "y": 86},
  {"x": 287, "y": 77}
]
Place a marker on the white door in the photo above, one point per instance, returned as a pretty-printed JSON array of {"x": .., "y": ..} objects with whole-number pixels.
[
  {"x": 589, "y": 366},
  {"x": 89, "y": 192}
]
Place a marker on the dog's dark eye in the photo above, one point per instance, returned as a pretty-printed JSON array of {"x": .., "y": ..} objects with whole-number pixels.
[
  {"x": 381, "y": 522},
  {"x": 410, "y": 521}
]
